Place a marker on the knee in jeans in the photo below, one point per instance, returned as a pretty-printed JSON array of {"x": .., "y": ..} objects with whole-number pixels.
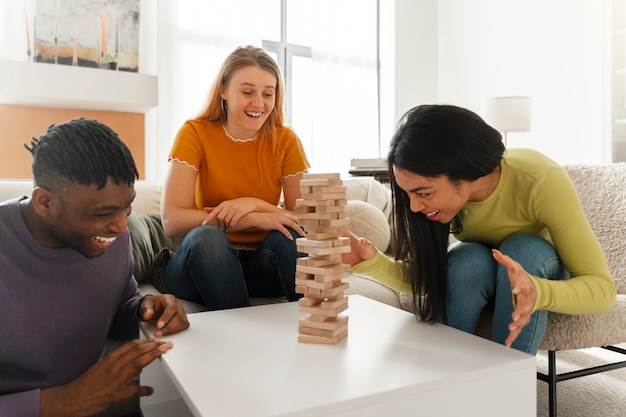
[
  {"x": 470, "y": 253},
  {"x": 206, "y": 238},
  {"x": 525, "y": 242},
  {"x": 278, "y": 241},
  {"x": 469, "y": 263},
  {"x": 536, "y": 254}
]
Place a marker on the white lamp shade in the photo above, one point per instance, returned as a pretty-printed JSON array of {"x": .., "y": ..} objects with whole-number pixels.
[{"x": 507, "y": 114}]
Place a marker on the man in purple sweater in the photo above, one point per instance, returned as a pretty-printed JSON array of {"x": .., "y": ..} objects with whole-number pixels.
[{"x": 66, "y": 281}]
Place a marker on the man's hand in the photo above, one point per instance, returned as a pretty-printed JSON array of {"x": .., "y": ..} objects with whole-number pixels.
[
  {"x": 524, "y": 293},
  {"x": 166, "y": 312},
  {"x": 107, "y": 383}
]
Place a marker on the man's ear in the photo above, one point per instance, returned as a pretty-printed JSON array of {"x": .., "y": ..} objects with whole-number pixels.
[{"x": 43, "y": 201}]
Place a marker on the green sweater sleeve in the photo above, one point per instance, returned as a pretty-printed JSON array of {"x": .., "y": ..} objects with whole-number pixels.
[
  {"x": 590, "y": 288},
  {"x": 389, "y": 272}
]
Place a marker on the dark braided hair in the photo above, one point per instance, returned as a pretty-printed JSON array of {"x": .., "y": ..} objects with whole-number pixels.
[{"x": 81, "y": 151}]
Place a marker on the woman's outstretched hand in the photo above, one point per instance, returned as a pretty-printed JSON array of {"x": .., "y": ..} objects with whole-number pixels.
[
  {"x": 361, "y": 249},
  {"x": 524, "y": 293}
]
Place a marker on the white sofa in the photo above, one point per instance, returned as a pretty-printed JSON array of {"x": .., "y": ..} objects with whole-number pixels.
[{"x": 602, "y": 189}]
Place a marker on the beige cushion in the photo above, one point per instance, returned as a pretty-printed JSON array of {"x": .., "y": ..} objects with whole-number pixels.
[
  {"x": 148, "y": 200},
  {"x": 369, "y": 222}
]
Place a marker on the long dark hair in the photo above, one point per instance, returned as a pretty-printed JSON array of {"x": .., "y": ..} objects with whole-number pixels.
[{"x": 431, "y": 141}]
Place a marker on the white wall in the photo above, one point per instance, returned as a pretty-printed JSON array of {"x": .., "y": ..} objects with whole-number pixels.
[
  {"x": 408, "y": 54},
  {"x": 551, "y": 50}
]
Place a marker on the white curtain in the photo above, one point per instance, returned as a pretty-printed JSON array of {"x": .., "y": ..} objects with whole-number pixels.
[{"x": 345, "y": 83}]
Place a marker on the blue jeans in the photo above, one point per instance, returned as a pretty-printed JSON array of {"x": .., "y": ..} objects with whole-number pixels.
[
  {"x": 207, "y": 269},
  {"x": 476, "y": 279}
]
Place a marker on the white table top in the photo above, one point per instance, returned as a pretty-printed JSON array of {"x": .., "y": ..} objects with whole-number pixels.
[{"x": 247, "y": 361}]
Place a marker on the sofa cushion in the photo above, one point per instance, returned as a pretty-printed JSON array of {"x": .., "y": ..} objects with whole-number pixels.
[
  {"x": 148, "y": 200},
  {"x": 369, "y": 222},
  {"x": 371, "y": 191},
  {"x": 148, "y": 238}
]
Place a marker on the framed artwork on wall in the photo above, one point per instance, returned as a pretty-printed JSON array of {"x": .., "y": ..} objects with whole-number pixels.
[{"x": 87, "y": 33}]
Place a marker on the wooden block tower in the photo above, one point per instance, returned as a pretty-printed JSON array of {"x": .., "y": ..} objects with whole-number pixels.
[{"x": 321, "y": 213}]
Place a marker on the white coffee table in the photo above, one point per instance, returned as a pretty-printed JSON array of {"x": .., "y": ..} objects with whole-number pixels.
[{"x": 247, "y": 362}]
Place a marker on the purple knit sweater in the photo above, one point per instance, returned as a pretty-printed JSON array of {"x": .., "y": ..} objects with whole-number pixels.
[{"x": 57, "y": 308}]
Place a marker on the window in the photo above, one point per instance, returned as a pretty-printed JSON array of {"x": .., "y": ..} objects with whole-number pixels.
[{"x": 327, "y": 51}]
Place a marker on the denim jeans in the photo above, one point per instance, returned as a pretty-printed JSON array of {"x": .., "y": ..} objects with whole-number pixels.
[
  {"x": 476, "y": 279},
  {"x": 207, "y": 269}
]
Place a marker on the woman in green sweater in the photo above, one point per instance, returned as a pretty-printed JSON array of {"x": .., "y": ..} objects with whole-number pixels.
[{"x": 524, "y": 243}]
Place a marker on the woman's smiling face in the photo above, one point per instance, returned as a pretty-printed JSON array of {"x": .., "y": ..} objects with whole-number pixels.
[
  {"x": 436, "y": 197},
  {"x": 250, "y": 96}
]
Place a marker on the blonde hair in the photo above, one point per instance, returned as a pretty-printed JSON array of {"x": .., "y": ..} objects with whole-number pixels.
[{"x": 245, "y": 56}]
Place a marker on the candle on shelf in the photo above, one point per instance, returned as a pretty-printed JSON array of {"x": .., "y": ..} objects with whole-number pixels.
[
  {"x": 27, "y": 33},
  {"x": 104, "y": 32},
  {"x": 100, "y": 35},
  {"x": 75, "y": 49},
  {"x": 35, "y": 39},
  {"x": 117, "y": 34},
  {"x": 56, "y": 22},
  {"x": 56, "y": 32}
]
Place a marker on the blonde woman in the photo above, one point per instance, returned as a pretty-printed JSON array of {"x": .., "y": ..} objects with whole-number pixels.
[{"x": 227, "y": 170}]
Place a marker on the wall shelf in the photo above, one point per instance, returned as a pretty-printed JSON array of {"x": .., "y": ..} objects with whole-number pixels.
[{"x": 64, "y": 86}]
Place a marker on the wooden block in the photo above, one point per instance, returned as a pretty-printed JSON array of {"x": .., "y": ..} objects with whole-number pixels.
[
  {"x": 313, "y": 292},
  {"x": 309, "y": 283},
  {"x": 330, "y": 209},
  {"x": 315, "y": 317},
  {"x": 326, "y": 229},
  {"x": 325, "y": 196},
  {"x": 321, "y": 182},
  {"x": 332, "y": 293},
  {"x": 313, "y": 331},
  {"x": 316, "y": 270},
  {"x": 327, "y": 312},
  {"x": 341, "y": 241},
  {"x": 327, "y": 189},
  {"x": 314, "y": 203},
  {"x": 304, "y": 275},
  {"x": 332, "y": 323},
  {"x": 317, "y": 216},
  {"x": 308, "y": 302},
  {"x": 335, "y": 291},
  {"x": 322, "y": 235},
  {"x": 305, "y": 242},
  {"x": 330, "y": 278},
  {"x": 319, "y": 262},
  {"x": 334, "y": 223},
  {"x": 335, "y": 304},
  {"x": 328, "y": 251},
  {"x": 316, "y": 176},
  {"x": 307, "y": 209},
  {"x": 303, "y": 338}
]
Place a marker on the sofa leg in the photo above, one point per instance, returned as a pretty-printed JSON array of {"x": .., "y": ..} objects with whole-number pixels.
[{"x": 552, "y": 380}]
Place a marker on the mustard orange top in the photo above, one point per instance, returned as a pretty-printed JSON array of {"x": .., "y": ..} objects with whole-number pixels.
[{"x": 229, "y": 168}]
